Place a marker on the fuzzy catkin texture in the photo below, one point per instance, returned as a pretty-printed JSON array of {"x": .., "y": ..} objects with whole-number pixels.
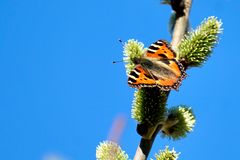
[
  {"x": 149, "y": 106},
  {"x": 132, "y": 49},
  {"x": 197, "y": 45},
  {"x": 108, "y": 150},
  {"x": 167, "y": 154},
  {"x": 185, "y": 119}
]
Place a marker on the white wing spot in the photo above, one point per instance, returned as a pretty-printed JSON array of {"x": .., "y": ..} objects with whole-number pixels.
[
  {"x": 156, "y": 46},
  {"x": 131, "y": 76},
  {"x": 151, "y": 50},
  {"x": 136, "y": 72},
  {"x": 159, "y": 42}
]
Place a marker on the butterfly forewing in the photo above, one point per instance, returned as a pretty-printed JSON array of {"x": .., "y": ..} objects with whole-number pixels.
[
  {"x": 139, "y": 77},
  {"x": 161, "y": 50}
]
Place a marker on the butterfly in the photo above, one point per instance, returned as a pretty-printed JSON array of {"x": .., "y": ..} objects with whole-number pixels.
[{"x": 158, "y": 67}]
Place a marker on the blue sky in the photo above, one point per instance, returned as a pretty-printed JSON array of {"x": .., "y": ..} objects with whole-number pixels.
[{"x": 60, "y": 93}]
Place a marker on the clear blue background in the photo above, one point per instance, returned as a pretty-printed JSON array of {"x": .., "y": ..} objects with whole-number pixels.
[{"x": 60, "y": 92}]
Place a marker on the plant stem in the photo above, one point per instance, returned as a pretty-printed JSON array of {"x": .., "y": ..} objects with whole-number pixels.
[
  {"x": 179, "y": 30},
  {"x": 145, "y": 146},
  {"x": 181, "y": 25}
]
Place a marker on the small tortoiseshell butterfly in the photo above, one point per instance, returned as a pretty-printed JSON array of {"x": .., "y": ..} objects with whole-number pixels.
[{"x": 157, "y": 67}]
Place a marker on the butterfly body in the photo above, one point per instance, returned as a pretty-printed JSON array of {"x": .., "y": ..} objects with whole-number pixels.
[{"x": 157, "y": 67}]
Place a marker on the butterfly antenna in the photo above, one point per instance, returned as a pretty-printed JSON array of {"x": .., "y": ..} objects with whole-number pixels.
[
  {"x": 117, "y": 61},
  {"x": 121, "y": 42}
]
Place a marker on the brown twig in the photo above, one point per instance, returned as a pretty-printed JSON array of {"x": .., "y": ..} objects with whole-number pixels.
[
  {"x": 180, "y": 27},
  {"x": 181, "y": 24}
]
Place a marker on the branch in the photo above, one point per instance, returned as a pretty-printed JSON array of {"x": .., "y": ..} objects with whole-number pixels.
[
  {"x": 182, "y": 14},
  {"x": 181, "y": 24},
  {"x": 145, "y": 146}
]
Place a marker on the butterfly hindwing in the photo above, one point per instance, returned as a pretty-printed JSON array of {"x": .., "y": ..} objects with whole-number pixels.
[{"x": 172, "y": 78}]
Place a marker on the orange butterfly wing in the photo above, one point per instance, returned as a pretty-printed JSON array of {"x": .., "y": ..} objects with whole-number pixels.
[
  {"x": 173, "y": 80},
  {"x": 160, "y": 50},
  {"x": 139, "y": 77}
]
